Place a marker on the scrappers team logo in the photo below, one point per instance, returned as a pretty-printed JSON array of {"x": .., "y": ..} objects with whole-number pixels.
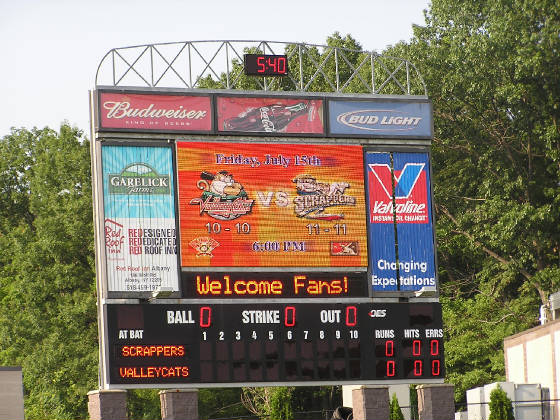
[
  {"x": 222, "y": 198},
  {"x": 410, "y": 194},
  {"x": 314, "y": 197}
]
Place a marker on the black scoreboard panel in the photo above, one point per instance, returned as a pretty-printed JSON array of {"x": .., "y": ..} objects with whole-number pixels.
[{"x": 274, "y": 343}]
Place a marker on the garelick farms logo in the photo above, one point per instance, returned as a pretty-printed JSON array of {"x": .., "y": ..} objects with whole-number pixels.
[
  {"x": 314, "y": 197},
  {"x": 376, "y": 119},
  {"x": 139, "y": 178},
  {"x": 223, "y": 198}
]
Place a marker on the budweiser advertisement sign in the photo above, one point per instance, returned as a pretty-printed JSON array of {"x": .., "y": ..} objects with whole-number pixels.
[
  {"x": 270, "y": 115},
  {"x": 134, "y": 111}
]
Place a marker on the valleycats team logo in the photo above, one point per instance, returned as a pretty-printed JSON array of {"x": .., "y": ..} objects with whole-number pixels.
[
  {"x": 411, "y": 194},
  {"x": 314, "y": 197},
  {"x": 222, "y": 198}
]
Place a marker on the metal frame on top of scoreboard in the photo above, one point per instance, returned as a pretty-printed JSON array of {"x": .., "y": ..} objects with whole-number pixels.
[{"x": 152, "y": 169}]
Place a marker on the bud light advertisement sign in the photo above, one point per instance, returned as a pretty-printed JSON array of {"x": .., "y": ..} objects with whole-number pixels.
[
  {"x": 380, "y": 119},
  {"x": 399, "y": 202}
]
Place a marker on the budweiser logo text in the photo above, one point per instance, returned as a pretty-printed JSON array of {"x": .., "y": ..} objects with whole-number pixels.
[{"x": 123, "y": 109}]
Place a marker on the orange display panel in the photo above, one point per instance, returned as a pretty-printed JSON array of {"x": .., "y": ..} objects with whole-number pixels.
[{"x": 263, "y": 205}]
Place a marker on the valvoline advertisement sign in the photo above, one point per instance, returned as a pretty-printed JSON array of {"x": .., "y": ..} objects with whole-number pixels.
[
  {"x": 380, "y": 118},
  {"x": 399, "y": 196}
]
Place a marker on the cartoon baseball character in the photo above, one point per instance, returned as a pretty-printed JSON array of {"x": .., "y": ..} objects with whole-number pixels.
[{"x": 222, "y": 185}]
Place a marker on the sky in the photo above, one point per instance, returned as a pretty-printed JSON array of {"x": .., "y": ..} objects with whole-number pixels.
[{"x": 50, "y": 49}]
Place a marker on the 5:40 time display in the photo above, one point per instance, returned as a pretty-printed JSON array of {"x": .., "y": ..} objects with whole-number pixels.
[{"x": 265, "y": 65}]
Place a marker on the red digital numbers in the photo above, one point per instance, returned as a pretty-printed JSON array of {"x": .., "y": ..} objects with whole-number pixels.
[
  {"x": 282, "y": 67},
  {"x": 351, "y": 316},
  {"x": 434, "y": 347},
  {"x": 390, "y": 368},
  {"x": 435, "y": 367},
  {"x": 289, "y": 316},
  {"x": 416, "y": 347},
  {"x": 205, "y": 316},
  {"x": 417, "y": 368},
  {"x": 389, "y": 348},
  {"x": 266, "y": 65},
  {"x": 261, "y": 68}
]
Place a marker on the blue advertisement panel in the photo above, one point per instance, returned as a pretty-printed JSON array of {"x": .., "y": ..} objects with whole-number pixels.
[
  {"x": 399, "y": 197},
  {"x": 415, "y": 230},
  {"x": 139, "y": 224},
  {"x": 381, "y": 229},
  {"x": 380, "y": 118}
]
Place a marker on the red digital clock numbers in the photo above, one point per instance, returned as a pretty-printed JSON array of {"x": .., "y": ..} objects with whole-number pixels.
[
  {"x": 265, "y": 65},
  {"x": 420, "y": 358}
]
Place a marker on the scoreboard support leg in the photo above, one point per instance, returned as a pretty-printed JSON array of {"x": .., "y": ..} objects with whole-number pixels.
[
  {"x": 436, "y": 402},
  {"x": 179, "y": 404},
  {"x": 107, "y": 404},
  {"x": 370, "y": 402}
]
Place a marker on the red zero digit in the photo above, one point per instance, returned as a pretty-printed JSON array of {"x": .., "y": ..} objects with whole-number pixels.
[
  {"x": 289, "y": 316},
  {"x": 351, "y": 316},
  {"x": 416, "y": 346},
  {"x": 390, "y": 368},
  {"x": 389, "y": 348},
  {"x": 418, "y": 368},
  {"x": 434, "y": 347},
  {"x": 435, "y": 367},
  {"x": 281, "y": 64},
  {"x": 205, "y": 316}
]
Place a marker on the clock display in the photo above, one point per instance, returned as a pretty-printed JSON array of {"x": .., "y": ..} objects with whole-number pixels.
[{"x": 265, "y": 65}]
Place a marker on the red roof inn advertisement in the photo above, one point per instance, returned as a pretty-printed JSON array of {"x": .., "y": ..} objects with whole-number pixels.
[
  {"x": 134, "y": 111},
  {"x": 270, "y": 115}
]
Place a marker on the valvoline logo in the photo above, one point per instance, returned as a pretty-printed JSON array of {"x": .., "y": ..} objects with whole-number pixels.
[{"x": 410, "y": 191}]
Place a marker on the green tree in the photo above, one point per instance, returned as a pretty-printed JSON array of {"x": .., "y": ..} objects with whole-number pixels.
[
  {"x": 491, "y": 71},
  {"x": 501, "y": 407},
  {"x": 47, "y": 290},
  {"x": 395, "y": 409}
]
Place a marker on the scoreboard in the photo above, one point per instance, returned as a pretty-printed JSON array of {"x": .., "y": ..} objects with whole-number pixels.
[
  {"x": 289, "y": 343},
  {"x": 254, "y": 239}
]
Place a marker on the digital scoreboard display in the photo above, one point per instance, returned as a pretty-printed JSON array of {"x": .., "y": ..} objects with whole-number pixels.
[
  {"x": 280, "y": 343},
  {"x": 243, "y": 285},
  {"x": 275, "y": 228},
  {"x": 265, "y": 65},
  {"x": 263, "y": 205}
]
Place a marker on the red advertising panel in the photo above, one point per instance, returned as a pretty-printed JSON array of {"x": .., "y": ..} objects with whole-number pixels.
[
  {"x": 270, "y": 115},
  {"x": 136, "y": 111},
  {"x": 262, "y": 205}
]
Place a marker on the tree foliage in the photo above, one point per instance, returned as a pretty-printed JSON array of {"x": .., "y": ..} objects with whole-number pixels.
[
  {"x": 395, "y": 412},
  {"x": 501, "y": 407},
  {"x": 491, "y": 70},
  {"x": 48, "y": 320}
]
